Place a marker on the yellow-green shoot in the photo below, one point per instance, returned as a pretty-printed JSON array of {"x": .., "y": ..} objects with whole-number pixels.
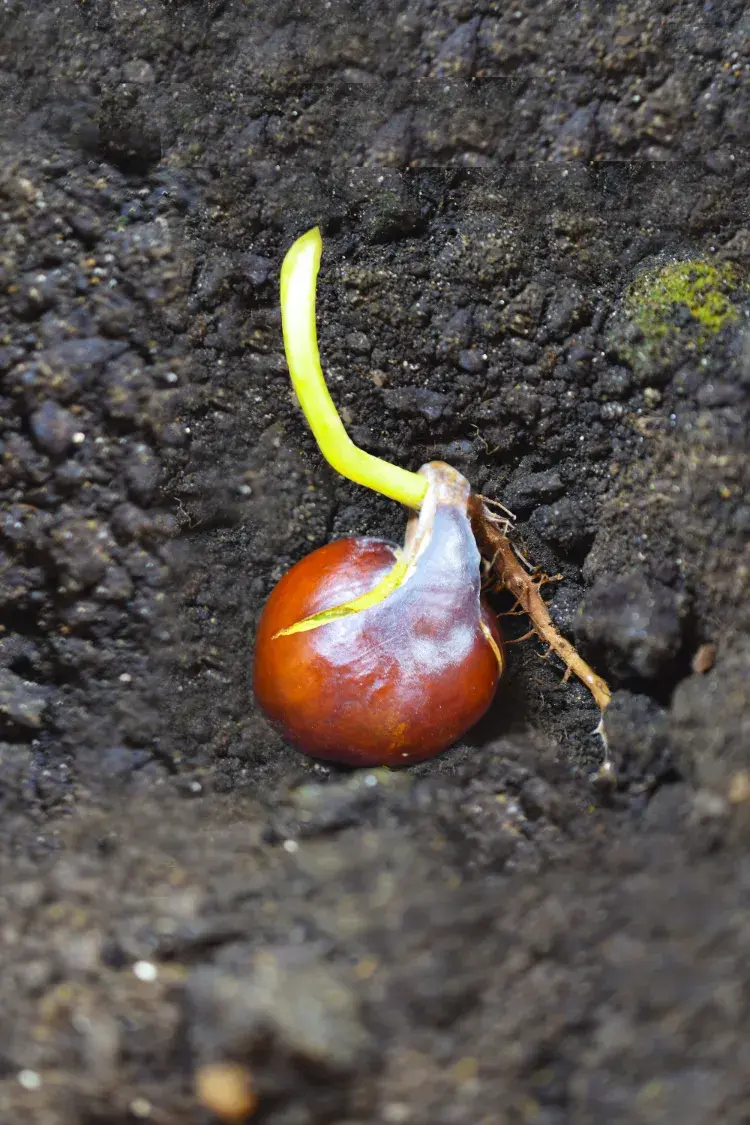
[{"x": 299, "y": 273}]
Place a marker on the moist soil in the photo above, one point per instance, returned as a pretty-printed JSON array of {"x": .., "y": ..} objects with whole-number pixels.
[{"x": 507, "y": 933}]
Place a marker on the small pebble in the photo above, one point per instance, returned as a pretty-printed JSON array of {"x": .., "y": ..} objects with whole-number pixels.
[
  {"x": 226, "y": 1090},
  {"x": 53, "y": 427},
  {"x": 21, "y": 702},
  {"x": 704, "y": 659},
  {"x": 145, "y": 971},
  {"x": 739, "y": 788},
  {"x": 29, "y": 1079}
]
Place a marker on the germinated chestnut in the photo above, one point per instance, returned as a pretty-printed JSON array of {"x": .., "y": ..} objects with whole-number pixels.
[{"x": 369, "y": 654}]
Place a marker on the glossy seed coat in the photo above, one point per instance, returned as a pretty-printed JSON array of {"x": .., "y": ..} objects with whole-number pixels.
[{"x": 402, "y": 679}]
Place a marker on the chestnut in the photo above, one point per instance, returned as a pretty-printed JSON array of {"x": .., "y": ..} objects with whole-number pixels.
[{"x": 368, "y": 654}]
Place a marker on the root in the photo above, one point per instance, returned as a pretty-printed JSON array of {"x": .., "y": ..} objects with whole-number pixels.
[
  {"x": 525, "y": 637},
  {"x": 510, "y": 516},
  {"x": 526, "y": 589}
]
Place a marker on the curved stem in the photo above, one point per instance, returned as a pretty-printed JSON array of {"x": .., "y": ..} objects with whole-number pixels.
[{"x": 299, "y": 273}]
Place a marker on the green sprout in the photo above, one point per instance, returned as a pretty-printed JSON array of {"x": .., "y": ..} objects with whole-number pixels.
[{"x": 299, "y": 274}]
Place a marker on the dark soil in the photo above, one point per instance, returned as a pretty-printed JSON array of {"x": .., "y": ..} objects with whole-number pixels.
[{"x": 495, "y": 936}]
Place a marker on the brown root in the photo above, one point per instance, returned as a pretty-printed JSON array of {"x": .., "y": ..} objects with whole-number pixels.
[{"x": 526, "y": 589}]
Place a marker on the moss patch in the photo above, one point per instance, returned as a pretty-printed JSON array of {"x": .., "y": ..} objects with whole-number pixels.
[{"x": 671, "y": 311}]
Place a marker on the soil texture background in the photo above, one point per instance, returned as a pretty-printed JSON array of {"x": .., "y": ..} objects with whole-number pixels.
[{"x": 537, "y": 268}]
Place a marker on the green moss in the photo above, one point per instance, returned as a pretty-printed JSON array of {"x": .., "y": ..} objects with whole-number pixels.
[
  {"x": 701, "y": 287},
  {"x": 672, "y": 310}
]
